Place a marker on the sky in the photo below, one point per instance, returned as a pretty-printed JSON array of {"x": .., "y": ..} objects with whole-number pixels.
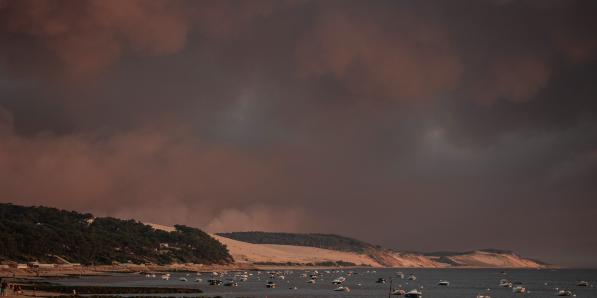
[{"x": 416, "y": 125}]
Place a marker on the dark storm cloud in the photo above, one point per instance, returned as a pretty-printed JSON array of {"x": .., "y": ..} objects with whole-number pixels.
[{"x": 404, "y": 118}]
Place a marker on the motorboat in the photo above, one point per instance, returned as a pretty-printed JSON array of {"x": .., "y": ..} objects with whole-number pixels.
[
  {"x": 230, "y": 283},
  {"x": 412, "y": 277},
  {"x": 413, "y": 294},
  {"x": 342, "y": 289},
  {"x": 582, "y": 283},
  {"x": 183, "y": 279},
  {"x": 270, "y": 285},
  {"x": 519, "y": 290},
  {"x": 214, "y": 282},
  {"x": 400, "y": 274},
  {"x": 504, "y": 283},
  {"x": 565, "y": 293},
  {"x": 338, "y": 280},
  {"x": 398, "y": 292},
  {"x": 381, "y": 280},
  {"x": 444, "y": 283},
  {"x": 311, "y": 281}
]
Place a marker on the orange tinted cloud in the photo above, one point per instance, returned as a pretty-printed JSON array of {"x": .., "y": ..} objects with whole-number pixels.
[
  {"x": 515, "y": 79},
  {"x": 85, "y": 37},
  {"x": 408, "y": 59},
  {"x": 136, "y": 173}
]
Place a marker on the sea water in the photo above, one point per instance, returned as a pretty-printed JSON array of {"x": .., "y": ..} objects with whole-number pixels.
[{"x": 463, "y": 282}]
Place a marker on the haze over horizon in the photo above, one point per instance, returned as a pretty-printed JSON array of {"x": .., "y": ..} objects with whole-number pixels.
[{"x": 426, "y": 126}]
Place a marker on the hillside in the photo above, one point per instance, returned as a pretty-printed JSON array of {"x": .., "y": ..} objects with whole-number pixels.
[
  {"x": 51, "y": 235},
  {"x": 267, "y": 250},
  {"x": 277, "y": 254},
  {"x": 47, "y": 234},
  {"x": 327, "y": 241}
]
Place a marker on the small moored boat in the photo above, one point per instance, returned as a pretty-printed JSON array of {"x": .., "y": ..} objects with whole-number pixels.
[
  {"x": 230, "y": 283},
  {"x": 519, "y": 290},
  {"x": 413, "y": 294},
  {"x": 214, "y": 282},
  {"x": 564, "y": 293},
  {"x": 582, "y": 283},
  {"x": 504, "y": 283},
  {"x": 398, "y": 292},
  {"x": 342, "y": 289}
]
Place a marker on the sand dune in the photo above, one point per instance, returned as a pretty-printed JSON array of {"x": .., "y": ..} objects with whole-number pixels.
[
  {"x": 249, "y": 253},
  {"x": 258, "y": 253},
  {"x": 487, "y": 259},
  {"x": 275, "y": 253}
]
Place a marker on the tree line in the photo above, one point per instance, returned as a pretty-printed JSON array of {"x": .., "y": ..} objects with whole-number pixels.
[{"x": 42, "y": 233}]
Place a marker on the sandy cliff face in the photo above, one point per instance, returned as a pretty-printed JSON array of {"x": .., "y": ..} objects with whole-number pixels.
[
  {"x": 249, "y": 253},
  {"x": 272, "y": 253},
  {"x": 488, "y": 259},
  {"x": 275, "y": 253}
]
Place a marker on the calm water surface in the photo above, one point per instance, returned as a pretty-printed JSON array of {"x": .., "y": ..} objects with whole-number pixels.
[{"x": 463, "y": 283}]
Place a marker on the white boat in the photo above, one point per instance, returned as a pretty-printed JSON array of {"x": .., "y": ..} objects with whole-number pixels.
[
  {"x": 230, "y": 283},
  {"x": 342, "y": 289},
  {"x": 214, "y": 282},
  {"x": 443, "y": 283},
  {"x": 519, "y": 290},
  {"x": 582, "y": 283},
  {"x": 198, "y": 279},
  {"x": 504, "y": 283},
  {"x": 483, "y": 296},
  {"x": 412, "y": 277},
  {"x": 564, "y": 293},
  {"x": 398, "y": 292},
  {"x": 166, "y": 276},
  {"x": 311, "y": 281},
  {"x": 338, "y": 280},
  {"x": 400, "y": 274},
  {"x": 413, "y": 294},
  {"x": 183, "y": 279},
  {"x": 270, "y": 285}
]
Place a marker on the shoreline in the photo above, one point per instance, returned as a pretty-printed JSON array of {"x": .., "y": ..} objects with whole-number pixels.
[{"x": 109, "y": 269}]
